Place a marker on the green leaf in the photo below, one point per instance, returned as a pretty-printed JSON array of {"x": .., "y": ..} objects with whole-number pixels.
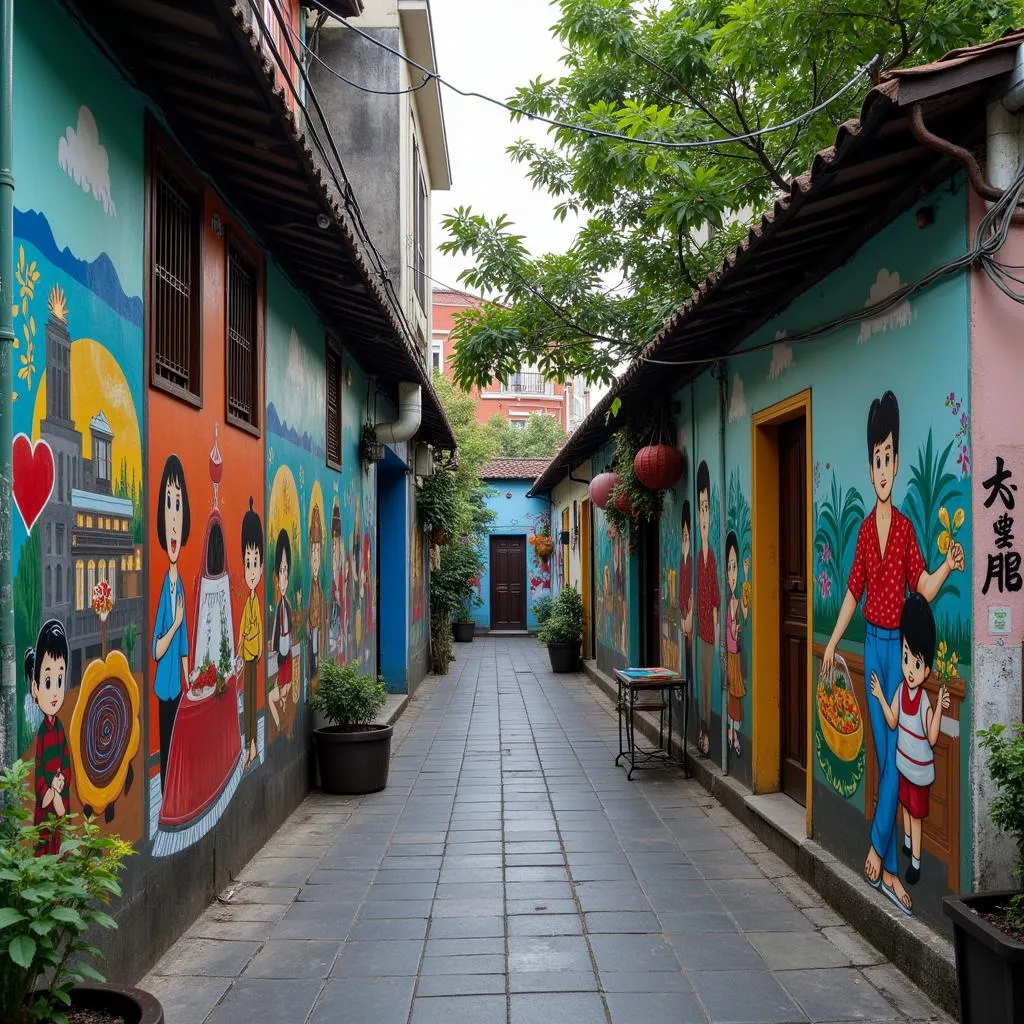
[
  {"x": 21, "y": 950},
  {"x": 90, "y": 972},
  {"x": 68, "y": 916},
  {"x": 104, "y": 920},
  {"x": 9, "y": 916}
]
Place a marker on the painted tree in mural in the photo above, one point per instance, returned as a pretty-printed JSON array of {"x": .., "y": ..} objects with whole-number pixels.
[{"x": 678, "y": 71}]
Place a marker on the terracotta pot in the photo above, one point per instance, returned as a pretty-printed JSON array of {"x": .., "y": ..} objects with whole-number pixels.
[
  {"x": 658, "y": 466},
  {"x": 601, "y": 488}
]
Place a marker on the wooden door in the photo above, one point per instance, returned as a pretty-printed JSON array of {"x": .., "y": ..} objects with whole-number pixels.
[
  {"x": 588, "y": 645},
  {"x": 793, "y": 608},
  {"x": 650, "y": 593},
  {"x": 508, "y": 583}
]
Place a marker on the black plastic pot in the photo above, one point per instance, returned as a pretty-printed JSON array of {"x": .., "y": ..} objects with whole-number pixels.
[
  {"x": 131, "y": 1004},
  {"x": 353, "y": 762},
  {"x": 463, "y": 632},
  {"x": 989, "y": 964},
  {"x": 564, "y": 657}
]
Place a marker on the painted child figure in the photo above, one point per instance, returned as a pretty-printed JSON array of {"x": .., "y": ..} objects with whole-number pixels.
[
  {"x": 708, "y": 603},
  {"x": 46, "y": 667},
  {"x": 282, "y": 639},
  {"x": 335, "y": 626},
  {"x": 916, "y": 722},
  {"x": 686, "y": 593},
  {"x": 316, "y": 593},
  {"x": 250, "y": 632},
  {"x": 733, "y": 661}
]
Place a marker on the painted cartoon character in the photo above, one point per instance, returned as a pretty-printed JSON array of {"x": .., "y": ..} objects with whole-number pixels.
[
  {"x": 369, "y": 602},
  {"x": 336, "y": 556},
  {"x": 250, "y": 631},
  {"x": 46, "y": 669},
  {"x": 282, "y": 639},
  {"x": 316, "y": 593},
  {"x": 708, "y": 603},
  {"x": 887, "y": 564},
  {"x": 910, "y": 715},
  {"x": 733, "y": 662},
  {"x": 686, "y": 592},
  {"x": 170, "y": 627}
]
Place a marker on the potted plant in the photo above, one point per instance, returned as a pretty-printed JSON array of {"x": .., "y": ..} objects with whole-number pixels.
[
  {"x": 463, "y": 626},
  {"x": 48, "y": 904},
  {"x": 371, "y": 450},
  {"x": 352, "y": 752},
  {"x": 541, "y": 609},
  {"x": 563, "y": 631},
  {"x": 988, "y": 928}
]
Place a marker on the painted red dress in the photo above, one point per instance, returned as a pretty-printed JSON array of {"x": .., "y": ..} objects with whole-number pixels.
[{"x": 53, "y": 757}]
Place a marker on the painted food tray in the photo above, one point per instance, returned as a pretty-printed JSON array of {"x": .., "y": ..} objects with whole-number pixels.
[{"x": 839, "y": 714}]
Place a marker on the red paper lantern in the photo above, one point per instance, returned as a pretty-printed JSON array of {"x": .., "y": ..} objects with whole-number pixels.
[
  {"x": 601, "y": 487},
  {"x": 658, "y": 466},
  {"x": 623, "y": 504}
]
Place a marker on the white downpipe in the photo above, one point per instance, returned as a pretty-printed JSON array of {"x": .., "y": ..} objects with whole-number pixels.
[
  {"x": 410, "y": 414},
  {"x": 1004, "y": 136}
]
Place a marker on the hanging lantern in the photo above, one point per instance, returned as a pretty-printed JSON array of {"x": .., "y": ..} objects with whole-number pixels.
[
  {"x": 601, "y": 487},
  {"x": 658, "y": 466},
  {"x": 622, "y": 503}
]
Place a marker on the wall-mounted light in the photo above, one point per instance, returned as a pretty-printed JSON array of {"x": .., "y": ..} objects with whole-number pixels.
[
  {"x": 323, "y": 222},
  {"x": 218, "y": 227}
]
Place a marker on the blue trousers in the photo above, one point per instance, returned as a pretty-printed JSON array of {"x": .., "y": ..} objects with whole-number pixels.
[{"x": 883, "y": 656}]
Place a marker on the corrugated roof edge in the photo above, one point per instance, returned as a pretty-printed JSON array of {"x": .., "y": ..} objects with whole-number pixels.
[{"x": 878, "y": 100}]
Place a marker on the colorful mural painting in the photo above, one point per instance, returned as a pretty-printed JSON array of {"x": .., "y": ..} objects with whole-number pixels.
[
  {"x": 417, "y": 631},
  {"x": 612, "y": 605}
]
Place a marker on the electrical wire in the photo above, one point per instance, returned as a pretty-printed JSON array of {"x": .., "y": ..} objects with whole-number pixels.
[
  {"x": 989, "y": 238},
  {"x": 598, "y": 132}
]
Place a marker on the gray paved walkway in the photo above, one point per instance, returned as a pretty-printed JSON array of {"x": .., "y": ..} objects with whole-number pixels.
[{"x": 510, "y": 873}]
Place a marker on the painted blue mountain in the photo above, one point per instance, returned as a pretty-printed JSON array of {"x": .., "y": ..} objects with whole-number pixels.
[
  {"x": 275, "y": 425},
  {"x": 99, "y": 276}
]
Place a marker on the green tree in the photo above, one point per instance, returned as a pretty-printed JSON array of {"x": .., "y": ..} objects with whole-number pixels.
[
  {"x": 28, "y": 607},
  {"x": 655, "y": 221},
  {"x": 540, "y": 438}
]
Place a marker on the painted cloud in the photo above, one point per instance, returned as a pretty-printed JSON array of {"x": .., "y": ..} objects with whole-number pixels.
[
  {"x": 82, "y": 157},
  {"x": 782, "y": 357},
  {"x": 885, "y": 284},
  {"x": 738, "y": 403}
]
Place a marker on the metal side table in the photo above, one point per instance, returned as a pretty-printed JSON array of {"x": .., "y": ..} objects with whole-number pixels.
[{"x": 634, "y": 682}]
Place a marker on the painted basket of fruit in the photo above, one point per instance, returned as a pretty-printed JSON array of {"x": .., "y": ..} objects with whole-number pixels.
[{"x": 838, "y": 712}]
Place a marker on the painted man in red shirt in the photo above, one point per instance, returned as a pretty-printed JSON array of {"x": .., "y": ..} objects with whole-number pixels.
[
  {"x": 887, "y": 565},
  {"x": 708, "y": 603}
]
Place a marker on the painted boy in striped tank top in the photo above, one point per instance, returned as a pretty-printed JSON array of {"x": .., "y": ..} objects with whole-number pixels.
[{"x": 916, "y": 723}]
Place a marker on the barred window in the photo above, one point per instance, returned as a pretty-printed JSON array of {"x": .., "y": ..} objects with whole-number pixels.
[
  {"x": 243, "y": 337},
  {"x": 175, "y": 227},
  {"x": 333, "y": 375}
]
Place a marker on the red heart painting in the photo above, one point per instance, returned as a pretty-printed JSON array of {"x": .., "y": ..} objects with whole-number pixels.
[{"x": 33, "y": 478}]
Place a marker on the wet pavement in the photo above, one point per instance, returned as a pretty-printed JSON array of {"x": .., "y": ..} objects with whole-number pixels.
[{"x": 510, "y": 873}]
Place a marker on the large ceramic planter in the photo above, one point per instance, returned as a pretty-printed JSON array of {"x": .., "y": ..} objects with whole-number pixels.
[
  {"x": 989, "y": 964},
  {"x": 353, "y": 762},
  {"x": 564, "y": 657},
  {"x": 131, "y": 1005},
  {"x": 463, "y": 632}
]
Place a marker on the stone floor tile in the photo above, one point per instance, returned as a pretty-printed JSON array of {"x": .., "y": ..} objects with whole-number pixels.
[
  {"x": 185, "y": 1004},
  {"x": 750, "y": 997},
  {"x": 264, "y": 1000},
  {"x": 316, "y": 921},
  {"x": 552, "y": 981},
  {"x": 384, "y": 1000},
  {"x": 379, "y": 958},
  {"x": 836, "y": 995},
  {"x": 787, "y": 951},
  {"x": 380, "y": 928},
  {"x": 647, "y": 1007},
  {"x": 622, "y": 923},
  {"x": 633, "y": 953},
  {"x": 206, "y": 958},
  {"x": 293, "y": 958},
  {"x": 545, "y": 924},
  {"x": 469, "y": 1009},
  {"x": 548, "y": 953},
  {"x": 460, "y": 985},
  {"x": 565, "y": 1008}
]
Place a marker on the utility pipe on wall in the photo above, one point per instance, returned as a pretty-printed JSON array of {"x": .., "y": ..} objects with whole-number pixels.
[
  {"x": 410, "y": 414},
  {"x": 7, "y": 653},
  {"x": 723, "y": 506},
  {"x": 1004, "y": 136}
]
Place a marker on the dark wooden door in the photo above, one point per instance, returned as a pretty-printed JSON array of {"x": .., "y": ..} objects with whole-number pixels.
[
  {"x": 508, "y": 583},
  {"x": 650, "y": 593},
  {"x": 793, "y": 607}
]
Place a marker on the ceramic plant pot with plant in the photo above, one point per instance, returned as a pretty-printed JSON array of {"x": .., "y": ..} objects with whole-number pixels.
[
  {"x": 49, "y": 902},
  {"x": 988, "y": 928},
  {"x": 352, "y": 752},
  {"x": 563, "y": 631},
  {"x": 463, "y": 626}
]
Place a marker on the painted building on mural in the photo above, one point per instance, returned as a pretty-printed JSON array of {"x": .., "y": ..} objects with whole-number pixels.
[
  {"x": 196, "y": 526},
  {"x": 835, "y": 570},
  {"x": 520, "y": 552}
]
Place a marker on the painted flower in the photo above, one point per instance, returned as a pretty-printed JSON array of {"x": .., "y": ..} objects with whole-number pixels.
[
  {"x": 102, "y": 598},
  {"x": 28, "y": 365},
  {"x": 826, "y": 554},
  {"x": 825, "y": 584},
  {"x": 949, "y": 528},
  {"x": 964, "y": 460}
]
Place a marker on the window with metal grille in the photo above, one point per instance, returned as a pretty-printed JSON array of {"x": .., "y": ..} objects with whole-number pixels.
[
  {"x": 175, "y": 210},
  {"x": 420, "y": 239},
  {"x": 243, "y": 338},
  {"x": 333, "y": 375}
]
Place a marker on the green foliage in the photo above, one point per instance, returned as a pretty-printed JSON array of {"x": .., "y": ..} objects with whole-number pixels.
[
  {"x": 737, "y": 517},
  {"x": 540, "y": 438},
  {"x": 678, "y": 70},
  {"x": 437, "y": 501},
  {"x": 130, "y": 489},
  {"x": 542, "y": 609},
  {"x": 441, "y": 641},
  {"x": 451, "y": 583},
  {"x": 28, "y": 593},
  {"x": 345, "y": 697},
  {"x": 839, "y": 520},
  {"x": 1005, "y": 749},
  {"x": 48, "y": 904},
  {"x": 634, "y": 434},
  {"x": 131, "y": 638},
  {"x": 565, "y": 623}
]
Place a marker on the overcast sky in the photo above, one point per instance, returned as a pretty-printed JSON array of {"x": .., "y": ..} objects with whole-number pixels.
[{"x": 492, "y": 46}]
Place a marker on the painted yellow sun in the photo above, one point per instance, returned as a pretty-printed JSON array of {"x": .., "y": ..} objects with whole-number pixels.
[
  {"x": 283, "y": 514},
  {"x": 99, "y": 385}
]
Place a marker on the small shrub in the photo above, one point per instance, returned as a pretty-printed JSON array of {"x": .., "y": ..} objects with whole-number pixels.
[
  {"x": 346, "y": 698},
  {"x": 542, "y": 610},
  {"x": 1006, "y": 766},
  {"x": 565, "y": 623}
]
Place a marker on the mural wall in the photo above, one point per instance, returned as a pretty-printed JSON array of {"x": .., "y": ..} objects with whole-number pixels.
[
  {"x": 615, "y": 595},
  {"x": 77, "y": 401}
]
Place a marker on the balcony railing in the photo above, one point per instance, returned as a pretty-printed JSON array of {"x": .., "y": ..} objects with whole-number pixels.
[{"x": 527, "y": 384}]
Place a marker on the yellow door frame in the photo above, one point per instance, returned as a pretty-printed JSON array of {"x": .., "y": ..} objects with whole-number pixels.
[
  {"x": 585, "y": 574},
  {"x": 767, "y": 741}
]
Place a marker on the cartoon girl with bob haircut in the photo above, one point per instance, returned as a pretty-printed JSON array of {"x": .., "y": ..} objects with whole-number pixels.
[
  {"x": 282, "y": 626},
  {"x": 170, "y": 627}
]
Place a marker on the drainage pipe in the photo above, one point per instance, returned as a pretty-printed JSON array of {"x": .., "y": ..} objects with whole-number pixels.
[
  {"x": 7, "y": 653},
  {"x": 410, "y": 414},
  {"x": 723, "y": 505}
]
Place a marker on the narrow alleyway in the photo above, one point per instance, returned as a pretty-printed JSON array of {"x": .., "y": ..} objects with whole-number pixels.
[{"x": 509, "y": 872}]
